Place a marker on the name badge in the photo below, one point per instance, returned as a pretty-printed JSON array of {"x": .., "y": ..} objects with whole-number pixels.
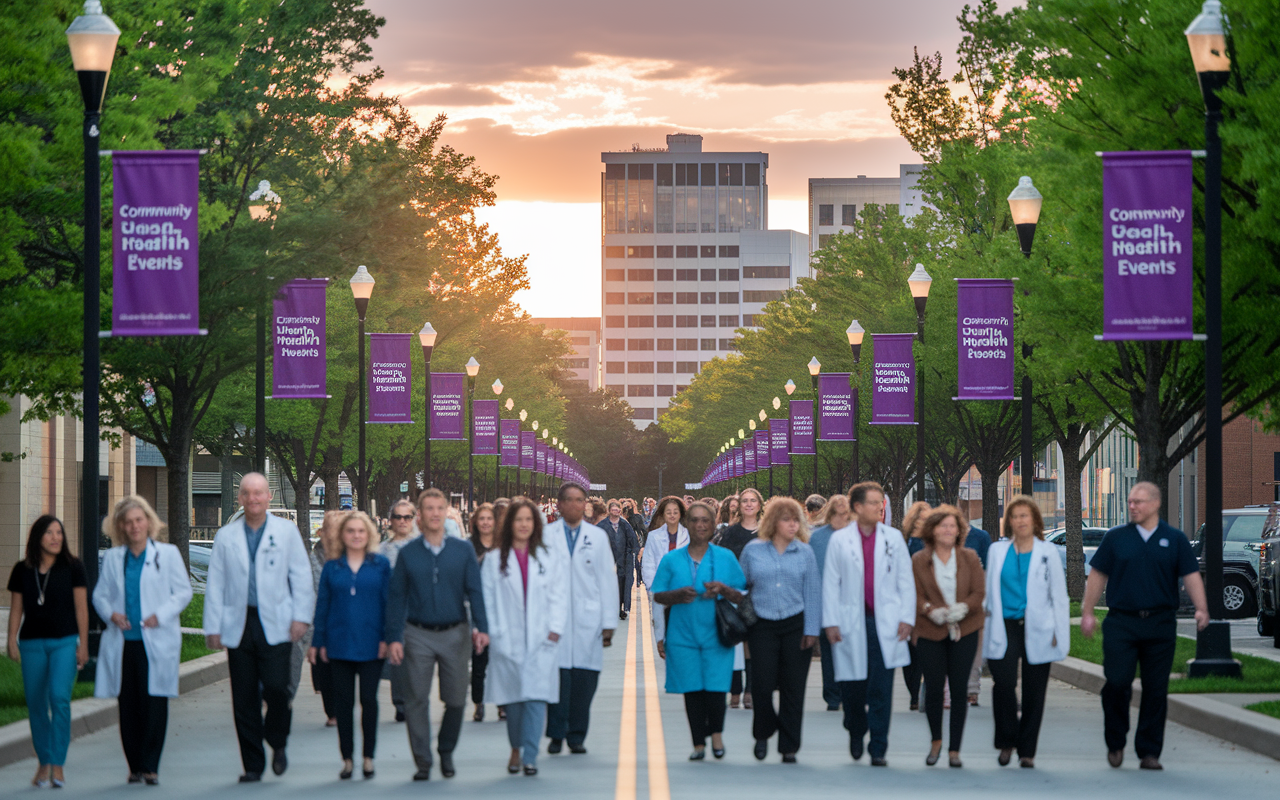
[{"x": 1164, "y": 542}]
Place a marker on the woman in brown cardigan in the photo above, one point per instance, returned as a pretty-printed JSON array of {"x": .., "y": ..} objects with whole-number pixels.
[{"x": 950, "y": 587}]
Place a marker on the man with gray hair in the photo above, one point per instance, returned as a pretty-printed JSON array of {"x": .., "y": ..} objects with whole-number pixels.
[{"x": 1139, "y": 565}]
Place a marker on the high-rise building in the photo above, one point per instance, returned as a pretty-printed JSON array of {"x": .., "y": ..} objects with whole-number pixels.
[
  {"x": 687, "y": 260},
  {"x": 834, "y": 203},
  {"x": 584, "y": 337}
]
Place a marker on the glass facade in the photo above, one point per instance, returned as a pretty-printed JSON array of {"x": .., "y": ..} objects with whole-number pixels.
[{"x": 683, "y": 198}]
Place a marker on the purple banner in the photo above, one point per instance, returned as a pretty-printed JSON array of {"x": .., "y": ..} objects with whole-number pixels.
[
  {"x": 780, "y": 442},
  {"x": 893, "y": 379},
  {"x": 739, "y": 462},
  {"x": 984, "y": 339},
  {"x": 835, "y": 407},
  {"x": 297, "y": 322},
  {"x": 1146, "y": 241},
  {"x": 155, "y": 243},
  {"x": 447, "y": 405},
  {"x": 540, "y": 456},
  {"x": 802, "y": 438},
  {"x": 528, "y": 459},
  {"x": 749, "y": 454},
  {"x": 510, "y": 443},
  {"x": 762, "y": 448},
  {"x": 484, "y": 427},
  {"x": 390, "y": 400}
]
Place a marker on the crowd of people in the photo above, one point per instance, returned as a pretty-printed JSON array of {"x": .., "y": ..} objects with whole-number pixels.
[{"x": 517, "y": 613}]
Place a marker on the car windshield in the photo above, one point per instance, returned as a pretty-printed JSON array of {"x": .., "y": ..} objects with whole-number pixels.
[
  {"x": 1243, "y": 528},
  {"x": 1093, "y": 536}
]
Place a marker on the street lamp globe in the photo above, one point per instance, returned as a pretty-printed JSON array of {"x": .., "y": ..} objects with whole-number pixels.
[
  {"x": 763, "y": 416},
  {"x": 473, "y": 367},
  {"x": 751, "y": 423},
  {"x": 920, "y": 283},
  {"x": 1206, "y": 35},
  {"x": 855, "y": 332},
  {"x": 535, "y": 424},
  {"x": 546, "y": 432},
  {"x": 815, "y": 366},
  {"x": 790, "y": 387},
  {"x": 362, "y": 287},
  {"x": 510, "y": 404},
  {"x": 1024, "y": 206},
  {"x": 92, "y": 37},
  {"x": 555, "y": 440},
  {"x": 497, "y": 386},
  {"x": 742, "y": 434},
  {"x": 426, "y": 336},
  {"x": 777, "y": 403}
]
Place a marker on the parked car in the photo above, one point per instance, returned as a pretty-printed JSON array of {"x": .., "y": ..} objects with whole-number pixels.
[
  {"x": 1268, "y": 580},
  {"x": 1243, "y": 531},
  {"x": 1092, "y": 538}
]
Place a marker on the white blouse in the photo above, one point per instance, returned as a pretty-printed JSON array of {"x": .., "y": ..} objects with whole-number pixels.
[{"x": 946, "y": 577}]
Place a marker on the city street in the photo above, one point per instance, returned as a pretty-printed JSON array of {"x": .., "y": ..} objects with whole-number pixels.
[{"x": 632, "y": 757}]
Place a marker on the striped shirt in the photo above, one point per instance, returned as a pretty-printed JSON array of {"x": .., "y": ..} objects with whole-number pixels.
[{"x": 784, "y": 584}]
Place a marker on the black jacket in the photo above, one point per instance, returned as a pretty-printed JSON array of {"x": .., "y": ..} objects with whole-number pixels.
[{"x": 625, "y": 544}]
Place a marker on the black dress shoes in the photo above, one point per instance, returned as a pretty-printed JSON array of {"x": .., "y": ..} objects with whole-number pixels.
[
  {"x": 251, "y": 777},
  {"x": 422, "y": 775},
  {"x": 577, "y": 749},
  {"x": 279, "y": 762},
  {"x": 788, "y": 758},
  {"x": 555, "y": 746},
  {"x": 855, "y": 748},
  {"x": 762, "y": 749},
  {"x": 879, "y": 762},
  {"x": 446, "y": 765}
]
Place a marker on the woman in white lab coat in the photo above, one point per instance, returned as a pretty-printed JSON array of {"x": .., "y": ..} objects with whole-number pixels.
[
  {"x": 666, "y": 533},
  {"x": 1028, "y": 619},
  {"x": 141, "y": 592},
  {"x": 526, "y": 598}
]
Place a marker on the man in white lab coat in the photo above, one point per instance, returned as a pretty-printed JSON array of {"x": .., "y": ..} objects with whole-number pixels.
[
  {"x": 258, "y": 601},
  {"x": 868, "y": 611},
  {"x": 593, "y": 615}
]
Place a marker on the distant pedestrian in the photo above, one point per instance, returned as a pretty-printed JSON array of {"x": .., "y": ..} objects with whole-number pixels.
[
  {"x": 593, "y": 600},
  {"x": 1139, "y": 565},
  {"x": 912, "y": 674},
  {"x": 950, "y": 587},
  {"x": 786, "y": 592},
  {"x": 49, "y": 638},
  {"x": 699, "y": 665},
  {"x": 626, "y": 552},
  {"x": 1028, "y": 620},
  {"x": 141, "y": 592},
  {"x": 526, "y": 591},
  {"x": 404, "y": 530},
  {"x": 349, "y": 622},
  {"x": 633, "y": 516},
  {"x": 868, "y": 610},
  {"x": 835, "y": 516},
  {"x": 666, "y": 533},
  {"x": 727, "y": 511},
  {"x": 483, "y": 536},
  {"x": 813, "y": 505},
  {"x": 258, "y": 601}
]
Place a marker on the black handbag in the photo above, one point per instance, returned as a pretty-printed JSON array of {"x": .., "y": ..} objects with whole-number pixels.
[{"x": 732, "y": 624}]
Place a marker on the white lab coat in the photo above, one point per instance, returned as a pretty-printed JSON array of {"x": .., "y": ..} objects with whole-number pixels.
[
  {"x": 282, "y": 571},
  {"x": 844, "y": 600},
  {"x": 1048, "y": 616},
  {"x": 655, "y": 547},
  {"x": 523, "y": 663},
  {"x": 164, "y": 590},
  {"x": 593, "y": 594}
]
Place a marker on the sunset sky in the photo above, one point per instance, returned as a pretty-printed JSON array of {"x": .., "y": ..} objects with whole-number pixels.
[{"x": 536, "y": 91}]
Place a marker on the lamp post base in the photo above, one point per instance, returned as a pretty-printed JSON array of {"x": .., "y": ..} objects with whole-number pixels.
[{"x": 1213, "y": 652}]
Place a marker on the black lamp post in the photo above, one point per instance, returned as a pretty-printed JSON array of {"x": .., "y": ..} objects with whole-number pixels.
[
  {"x": 497, "y": 466},
  {"x": 855, "y": 332},
  {"x": 920, "y": 283},
  {"x": 1024, "y": 205},
  {"x": 473, "y": 369},
  {"x": 1207, "y": 39},
  {"x": 815, "y": 369},
  {"x": 768, "y": 442},
  {"x": 92, "y": 38},
  {"x": 519, "y": 444},
  {"x": 427, "y": 338},
  {"x": 362, "y": 289},
  {"x": 791, "y": 461},
  {"x": 546, "y": 476},
  {"x": 263, "y": 209},
  {"x": 533, "y": 471}
]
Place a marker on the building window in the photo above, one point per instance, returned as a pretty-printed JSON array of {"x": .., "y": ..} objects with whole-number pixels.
[
  {"x": 708, "y": 344},
  {"x": 687, "y": 298},
  {"x": 766, "y": 272},
  {"x": 824, "y": 238},
  {"x": 577, "y": 363},
  {"x": 686, "y": 274},
  {"x": 639, "y": 322},
  {"x": 666, "y": 274},
  {"x": 640, "y": 251},
  {"x": 640, "y": 367},
  {"x": 666, "y": 344},
  {"x": 826, "y": 214},
  {"x": 664, "y": 298},
  {"x": 729, "y": 298},
  {"x": 615, "y": 344},
  {"x": 615, "y": 321},
  {"x": 615, "y": 251},
  {"x": 665, "y": 250},
  {"x": 848, "y": 215},
  {"x": 614, "y": 298},
  {"x": 708, "y": 320},
  {"x": 639, "y": 391},
  {"x": 708, "y": 251},
  {"x": 762, "y": 296},
  {"x": 640, "y": 298},
  {"x": 686, "y": 251},
  {"x": 639, "y": 274},
  {"x": 709, "y": 298},
  {"x": 580, "y": 341},
  {"x": 728, "y": 344},
  {"x": 751, "y": 174},
  {"x": 728, "y": 251},
  {"x": 686, "y": 344},
  {"x": 728, "y": 320},
  {"x": 749, "y": 320},
  {"x": 639, "y": 344},
  {"x": 665, "y": 321},
  {"x": 615, "y": 274},
  {"x": 686, "y": 320},
  {"x": 666, "y": 367},
  {"x": 687, "y": 367},
  {"x": 617, "y": 388},
  {"x": 728, "y": 274},
  {"x": 642, "y": 413},
  {"x": 665, "y": 390},
  {"x": 615, "y": 367}
]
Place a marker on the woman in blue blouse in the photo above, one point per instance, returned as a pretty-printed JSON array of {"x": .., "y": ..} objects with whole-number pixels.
[
  {"x": 351, "y": 608},
  {"x": 786, "y": 591},
  {"x": 699, "y": 666}
]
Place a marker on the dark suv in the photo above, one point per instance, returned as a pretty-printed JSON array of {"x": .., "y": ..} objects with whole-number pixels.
[
  {"x": 1243, "y": 530},
  {"x": 1269, "y": 577}
]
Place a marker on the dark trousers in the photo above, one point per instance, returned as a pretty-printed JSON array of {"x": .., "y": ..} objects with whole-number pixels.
[
  {"x": 570, "y": 718},
  {"x": 705, "y": 711},
  {"x": 143, "y": 718},
  {"x": 479, "y": 664},
  {"x": 344, "y": 674},
  {"x": 912, "y": 675},
  {"x": 742, "y": 677},
  {"x": 259, "y": 671},
  {"x": 868, "y": 704},
  {"x": 830, "y": 690},
  {"x": 942, "y": 662},
  {"x": 778, "y": 664},
  {"x": 1012, "y": 732},
  {"x": 1126, "y": 642},
  {"x": 625, "y": 577},
  {"x": 322, "y": 682}
]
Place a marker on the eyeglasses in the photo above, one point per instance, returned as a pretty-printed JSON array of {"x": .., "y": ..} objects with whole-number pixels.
[{"x": 402, "y": 516}]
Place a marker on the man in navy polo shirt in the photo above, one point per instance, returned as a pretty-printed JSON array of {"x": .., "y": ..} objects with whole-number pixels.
[{"x": 1139, "y": 565}]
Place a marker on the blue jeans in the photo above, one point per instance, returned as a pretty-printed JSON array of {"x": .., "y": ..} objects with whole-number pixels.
[
  {"x": 867, "y": 704},
  {"x": 48, "y": 673},
  {"x": 524, "y": 728}
]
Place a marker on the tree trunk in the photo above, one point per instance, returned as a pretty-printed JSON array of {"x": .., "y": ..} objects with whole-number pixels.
[
  {"x": 177, "y": 459},
  {"x": 991, "y": 498},
  {"x": 1072, "y": 466}
]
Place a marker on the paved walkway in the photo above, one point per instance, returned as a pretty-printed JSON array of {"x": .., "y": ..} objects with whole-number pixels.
[{"x": 639, "y": 744}]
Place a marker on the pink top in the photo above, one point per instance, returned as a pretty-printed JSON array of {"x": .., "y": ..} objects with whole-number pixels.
[
  {"x": 868, "y": 568},
  {"x": 522, "y": 558}
]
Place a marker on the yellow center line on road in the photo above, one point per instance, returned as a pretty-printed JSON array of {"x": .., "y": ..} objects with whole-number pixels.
[
  {"x": 659, "y": 786},
  {"x": 626, "y": 785}
]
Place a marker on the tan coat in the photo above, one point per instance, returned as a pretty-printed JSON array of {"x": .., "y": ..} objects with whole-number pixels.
[{"x": 970, "y": 589}]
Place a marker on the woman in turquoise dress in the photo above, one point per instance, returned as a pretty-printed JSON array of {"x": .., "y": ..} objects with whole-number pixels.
[{"x": 688, "y": 582}]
